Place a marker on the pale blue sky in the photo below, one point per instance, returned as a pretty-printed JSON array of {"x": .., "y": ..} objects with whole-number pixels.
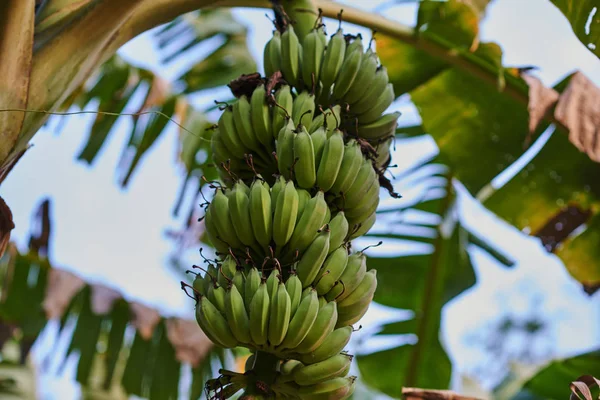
[{"x": 117, "y": 237}]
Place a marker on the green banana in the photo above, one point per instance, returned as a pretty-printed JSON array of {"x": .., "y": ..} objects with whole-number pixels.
[
  {"x": 260, "y": 213},
  {"x": 365, "y": 178},
  {"x": 214, "y": 324},
  {"x": 229, "y": 135},
  {"x": 251, "y": 286},
  {"x": 301, "y": 322},
  {"x": 216, "y": 295},
  {"x": 239, "y": 211},
  {"x": 371, "y": 93},
  {"x": 304, "y": 158},
  {"x": 294, "y": 289},
  {"x": 355, "y": 302},
  {"x": 355, "y": 45},
  {"x": 385, "y": 100},
  {"x": 286, "y": 213},
  {"x": 331, "y": 161},
  {"x": 351, "y": 163},
  {"x": 237, "y": 317},
  {"x": 281, "y": 307},
  {"x": 339, "y": 230},
  {"x": 312, "y": 48},
  {"x": 272, "y": 54},
  {"x": 199, "y": 285},
  {"x": 276, "y": 189},
  {"x": 219, "y": 211},
  {"x": 363, "y": 227},
  {"x": 226, "y": 271},
  {"x": 210, "y": 277},
  {"x": 364, "y": 78},
  {"x": 333, "y": 344},
  {"x": 303, "y": 198},
  {"x": 282, "y": 111},
  {"x": 311, "y": 261},
  {"x": 272, "y": 283},
  {"x": 322, "y": 371},
  {"x": 355, "y": 271},
  {"x": 242, "y": 123},
  {"x": 347, "y": 74},
  {"x": 318, "y": 137},
  {"x": 333, "y": 59},
  {"x": 239, "y": 281},
  {"x": 290, "y": 56},
  {"x": 332, "y": 269},
  {"x": 259, "y": 315},
  {"x": 261, "y": 117},
  {"x": 285, "y": 150},
  {"x": 303, "y": 109},
  {"x": 367, "y": 206},
  {"x": 336, "y": 388},
  {"x": 307, "y": 227},
  {"x": 323, "y": 326},
  {"x": 382, "y": 127}
]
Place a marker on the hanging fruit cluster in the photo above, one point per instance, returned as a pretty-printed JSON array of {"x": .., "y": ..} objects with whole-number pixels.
[{"x": 301, "y": 154}]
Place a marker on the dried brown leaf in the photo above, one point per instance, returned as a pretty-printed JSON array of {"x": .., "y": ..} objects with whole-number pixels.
[
  {"x": 16, "y": 46},
  {"x": 103, "y": 299},
  {"x": 6, "y": 225},
  {"x": 145, "y": 319},
  {"x": 578, "y": 109},
  {"x": 582, "y": 385},
  {"x": 190, "y": 343},
  {"x": 541, "y": 100},
  {"x": 426, "y": 394},
  {"x": 62, "y": 286}
]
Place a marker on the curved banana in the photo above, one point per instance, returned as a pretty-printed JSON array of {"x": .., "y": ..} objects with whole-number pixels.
[
  {"x": 364, "y": 78},
  {"x": 252, "y": 283},
  {"x": 285, "y": 150},
  {"x": 382, "y": 127},
  {"x": 372, "y": 92},
  {"x": 385, "y": 100},
  {"x": 290, "y": 56},
  {"x": 318, "y": 137},
  {"x": 322, "y": 371},
  {"x": 355, "y": 271},
  {"x": 333, "y": 59},
  {"x": 276, "y": 189},
  {"x": 260, "y": 213},
  {"x": 272, "y": 54},
  {"x": 363, "y": 227},
  {"x": 332, "y": 269},
  {"x": 237, "y": 318},
  {"x": 226, "y": 271},
  {"x": 363, "y": 294},
  {"x": 311, "y": 261},
  {"x": 301, "y": 322},
  {"x": 261, "y": 118},
  {"x": 239, "y": 211},
  {"x": 294, "y": 288},
  {"x": 365, "y": 178},
  {"x": 312, "y": 55},
  {"x": 333, "y": 344},
  {"x": 323, "y": 326},
  {"x": 337, "y": 388},
  {"x": 243, "y": 126},
  {"x": 219, "y": 211},
  {"x": 259, "y": 315},
  {"x": 304, "y": 159},
  {"x": 282, "y": 111},
  {"x": 347, "y": 74},
  {"x": 339, "y": 230},
  {"x": 229, "y": 135},
  {"x": 286, "y": 213},
  {"x": 214, "y": 324},
  {"x": 281, "y": 308},
  {"x": 303, "y": 109},
  {"x": 351, "y": 163},
  {"x": 307, "y": 227},
  {"x": 331, "y": 161}
]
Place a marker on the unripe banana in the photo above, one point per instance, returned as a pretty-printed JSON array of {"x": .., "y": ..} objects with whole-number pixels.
[
  {"x": 303, "y": 109},
  {"x": 301, "y": 322},
  {"x": 353, "y": 275},
  {"x": 210, "y": 278},
  {"x": 214, "y": 324},
  {"x": 329, "y": 119},
  {"x": 353, "y": 307},
  {"x": 229, "y": 135},
  {"x": 282, "y": 112},
  {"x": 285, "y": 150},
  {"x": 311, "y": 261},
  {"x": 259, "y": 315},
  {"x": 261, "y": 117},
  {"x": 312, "y": 219},
  {"x": 318, "y": 137},
  {"x": 239, "y": 281},
  {"x": 364, "y": 79},
  {"x": 312, "y": 48},
  {"x": 252, "y": 284},
  {"x": 333, "y": 344},
  {"x": 249, "y": 363},
  {"x": 366, "y": 207},
  {"x": 304, "y": 158},
  {"x": 291, "y": 51},
  {"x": 276, "y": 189},
  {"x": 337, "y": 388},
  {"x": 382, "y": 127},
  {"x": 200, "y": 285},
  {"x": 332, "y": 269},
  {"x": 355, "y": 45},
  {"x": 219, "y": 211},
  {"x": 331, "y": 161},
  {"x": 347, "y": 74},
  {"x": 323, "y": 326},
  {"x": 239, "y": 211},
  {"x": 322, "y": 371},
  {"x": 260, "y": 213},
  {"x": 286, "y": 213},
  {"x": 372, "y": 93},
  {"x": 385, "y": 100},
  {"x": 333, "y": 59},
  {"x": 281, "y": 308},
  {"x": 272, "y": 54},
  {"x": 236, "y": 315},
  {"x": 365, "y": 178},
  {"x": 351, "y": 163},
  {"x": 303, "y": 199},
  {"x": 243, "y": 125},
  {"x": 216, "y": 295},
  {"x": 226, "y": 271},
  {"x": 294, "y": 288},
  {"x": 363, "y": 227},
  {"x": 272, "y": 283},
  {"x": 288, "y": 366},
  {"x": 339, "y": 230}
]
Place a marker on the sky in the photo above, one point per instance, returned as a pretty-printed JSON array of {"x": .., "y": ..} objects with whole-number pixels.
[{"x": 117, "y": 237}]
